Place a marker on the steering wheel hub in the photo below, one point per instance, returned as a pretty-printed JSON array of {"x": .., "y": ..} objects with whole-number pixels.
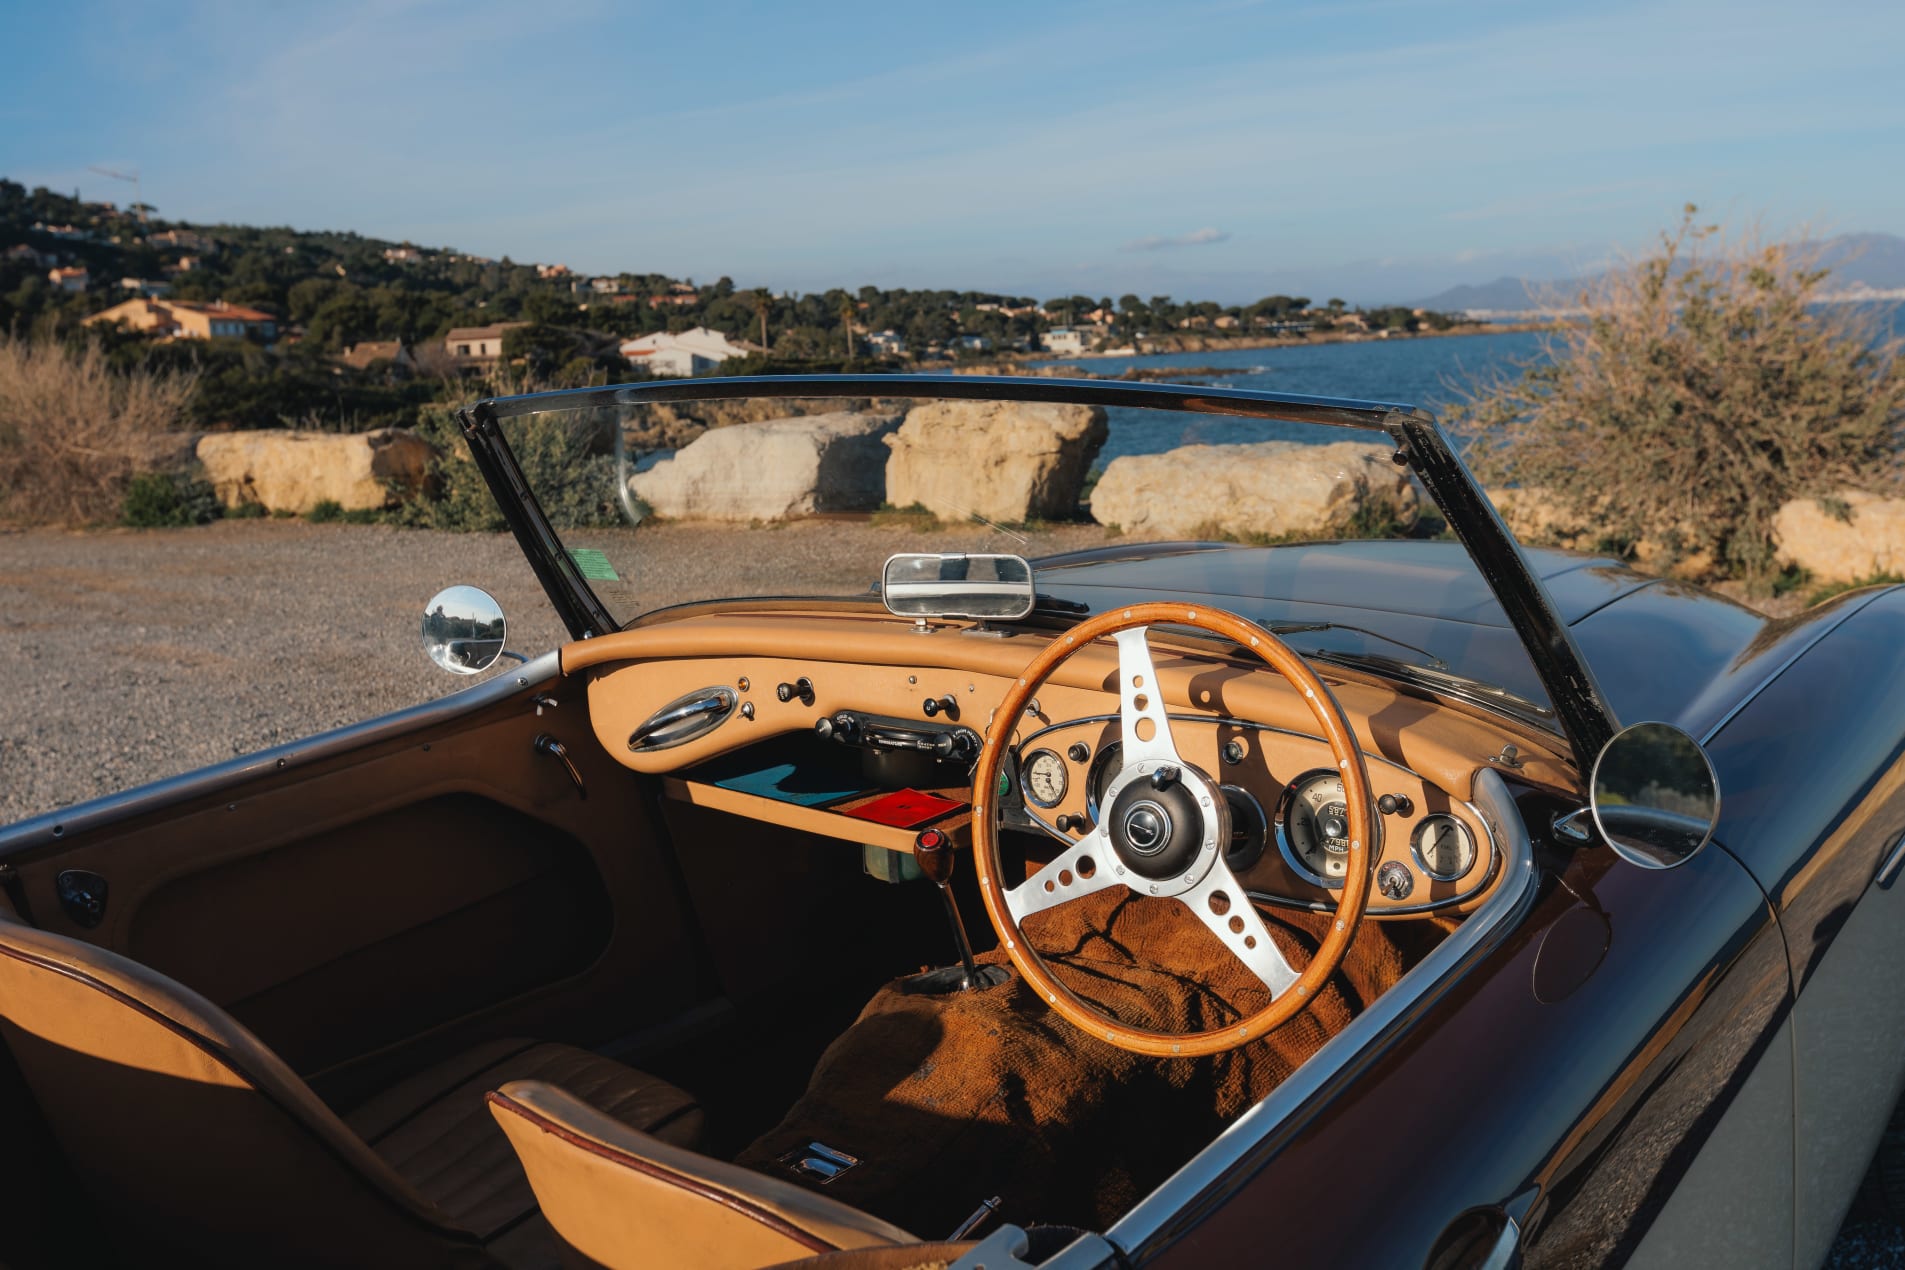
[{"x": 1164, "y": 831}]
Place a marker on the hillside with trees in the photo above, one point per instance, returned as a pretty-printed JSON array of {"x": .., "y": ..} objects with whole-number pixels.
[{"x": 330, "y": 292}]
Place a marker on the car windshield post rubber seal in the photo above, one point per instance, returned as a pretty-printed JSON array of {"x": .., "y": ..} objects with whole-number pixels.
[
  {"x": 1579, "y": 704},
  {"x": 579, "y": 608}
]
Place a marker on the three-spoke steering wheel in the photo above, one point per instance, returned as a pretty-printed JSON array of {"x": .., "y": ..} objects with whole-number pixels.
[{"x": 1162, "y": 829}]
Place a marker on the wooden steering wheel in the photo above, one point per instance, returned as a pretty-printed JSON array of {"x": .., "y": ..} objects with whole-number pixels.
[{"x": 1162, "y": 829}]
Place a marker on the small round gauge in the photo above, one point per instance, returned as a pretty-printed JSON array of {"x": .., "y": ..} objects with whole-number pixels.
[
  {"x": 1313, "y": 827},
  {"x": 1046, "y": 778},
  {"x": 1443, "y": 847}
]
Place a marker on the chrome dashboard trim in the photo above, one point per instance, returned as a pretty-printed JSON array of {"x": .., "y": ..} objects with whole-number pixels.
[
  {"x": 1276, "y": 825},
  {"x": 52, "y": 826},
  {"x": 1187, "y": 1195},
  {"x": 1282, "y": 835},
  {"x": 1408, "y": 910},
  {"x": 1415, "y": 846}
]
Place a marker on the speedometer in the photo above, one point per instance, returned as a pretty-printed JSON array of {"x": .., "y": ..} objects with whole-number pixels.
[{"x": 1313, "y": 827}]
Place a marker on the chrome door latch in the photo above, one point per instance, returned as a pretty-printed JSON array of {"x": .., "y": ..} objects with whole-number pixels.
[{"x": 546, "y": 744}]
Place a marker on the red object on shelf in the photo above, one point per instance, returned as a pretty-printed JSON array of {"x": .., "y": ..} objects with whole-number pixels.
[{"x": 904, "y": 809}]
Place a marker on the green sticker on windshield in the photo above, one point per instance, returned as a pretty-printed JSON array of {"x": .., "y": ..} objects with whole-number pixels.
[{"x": 594, "y": 565}]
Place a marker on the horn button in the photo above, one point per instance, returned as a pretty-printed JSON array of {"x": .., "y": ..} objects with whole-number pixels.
[{"x": 1157, "y": 828}]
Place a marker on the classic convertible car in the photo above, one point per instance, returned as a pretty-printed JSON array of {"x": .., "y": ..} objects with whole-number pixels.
[{"x": 1419, "y": 900}]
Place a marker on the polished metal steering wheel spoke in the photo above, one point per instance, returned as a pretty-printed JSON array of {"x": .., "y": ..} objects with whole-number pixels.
[
  {"x": 1146, "y": 731},
  {"x": 1221, "y": 904},
  {"x": 1084, "y": 868}
]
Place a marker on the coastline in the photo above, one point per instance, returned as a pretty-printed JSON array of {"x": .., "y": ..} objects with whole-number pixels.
[{"x": 1198, "y": 342}]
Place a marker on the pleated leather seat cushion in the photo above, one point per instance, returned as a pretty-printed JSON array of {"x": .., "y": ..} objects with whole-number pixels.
[{"x": 436, "y": 1130}]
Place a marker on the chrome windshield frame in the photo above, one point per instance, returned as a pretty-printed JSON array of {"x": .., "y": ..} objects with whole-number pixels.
[{"x": 1586, "y": 717}]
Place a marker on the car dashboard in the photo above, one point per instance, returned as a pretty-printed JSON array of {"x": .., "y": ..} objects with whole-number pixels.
[{"x": 861, "y": 727}]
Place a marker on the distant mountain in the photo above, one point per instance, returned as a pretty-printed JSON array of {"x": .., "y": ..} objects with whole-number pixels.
[{"x": 1857, "y": 261}]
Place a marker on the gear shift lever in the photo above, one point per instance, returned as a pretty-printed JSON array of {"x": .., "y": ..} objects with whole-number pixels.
[{"x": 933, "y": 851}]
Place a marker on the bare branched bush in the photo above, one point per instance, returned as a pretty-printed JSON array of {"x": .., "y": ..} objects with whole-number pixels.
[
  {"x": 73, "y": 431},
  {"x": 1704, "y": 386}
]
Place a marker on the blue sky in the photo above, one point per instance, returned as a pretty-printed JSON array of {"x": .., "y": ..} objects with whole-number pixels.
[{"x": 1375, "y": 150}]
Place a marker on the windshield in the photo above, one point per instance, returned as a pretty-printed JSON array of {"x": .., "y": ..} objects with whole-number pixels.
[{"x": 1310, "y": 529}]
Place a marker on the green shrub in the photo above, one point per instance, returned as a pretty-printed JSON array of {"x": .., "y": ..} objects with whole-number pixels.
[
  {"x": 1700, "y": 393},
  {"x": 326, "y": 511},
  {"x": 246, "y": 511},
  {"x": 161, "y": 500},
  {"x": 564, "y": 457}
]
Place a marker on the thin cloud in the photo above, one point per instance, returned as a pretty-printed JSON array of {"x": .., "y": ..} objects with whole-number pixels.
[{"x": 1196, "y": 238}]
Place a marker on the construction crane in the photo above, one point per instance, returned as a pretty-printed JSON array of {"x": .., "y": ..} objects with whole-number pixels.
[{"x": 138, "y": 203}]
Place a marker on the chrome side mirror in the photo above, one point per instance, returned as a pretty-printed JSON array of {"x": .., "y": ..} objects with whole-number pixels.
[
  {"x": 1655, "y": 798},
  {"x": 951, "y": 584},
  {"x": 464, "y": 630}
]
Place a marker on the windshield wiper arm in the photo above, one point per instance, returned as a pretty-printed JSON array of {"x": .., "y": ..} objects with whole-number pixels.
[{"x": 1304, "y": 628}]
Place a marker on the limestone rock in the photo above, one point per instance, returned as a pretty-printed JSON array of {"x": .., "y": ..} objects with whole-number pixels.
[
  {"x": 775, "y": 469},
  {"x": 1008, "y": 461},
  {"x": 1268, "y": 489},
  {"x": 1872, "y": 541},
  {"x": 294, "y": 471}
]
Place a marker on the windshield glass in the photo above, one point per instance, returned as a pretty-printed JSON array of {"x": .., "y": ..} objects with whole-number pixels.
[{"x": 1310, "y": 529}]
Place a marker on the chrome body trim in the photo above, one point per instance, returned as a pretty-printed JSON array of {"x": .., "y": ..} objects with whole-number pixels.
[
  {"x": 1150, "y": 1226},
  {"x": 1894, "y": 861},
  {"x": 1501, "y": 1256},
  {"x": 82, "y": 817}
]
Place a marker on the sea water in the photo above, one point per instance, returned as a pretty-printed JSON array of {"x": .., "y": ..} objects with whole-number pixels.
[{"x": 1433, "y": 372}]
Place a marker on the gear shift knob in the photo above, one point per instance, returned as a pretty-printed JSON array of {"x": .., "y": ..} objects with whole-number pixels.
[{"x": 934, "y": 852}]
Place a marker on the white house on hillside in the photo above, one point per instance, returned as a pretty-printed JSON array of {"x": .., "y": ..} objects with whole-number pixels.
[
  {"x": 682, "y": 353},
  {"x": 1064, "y": 339}
]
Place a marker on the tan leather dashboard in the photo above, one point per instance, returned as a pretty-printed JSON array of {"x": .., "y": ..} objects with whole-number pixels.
[{"x": 1425, "y": 750}]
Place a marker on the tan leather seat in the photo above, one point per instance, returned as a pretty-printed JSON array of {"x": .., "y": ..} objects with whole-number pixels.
[
  {"x": 197, "y": 1141},
  {"x": 626, "y": 1199}
]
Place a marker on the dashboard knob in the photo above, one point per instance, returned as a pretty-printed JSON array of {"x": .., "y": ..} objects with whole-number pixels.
[
  {"x": 802, "y": 687},
  {"x": 1395, "y": 805},
  {"x": 961, "y": 743},
  {"x": 1079, "y": 752},
  {"x": 947, "y": 705},
  {"x": 1068, "y": 823},
  {"x": 1394, "y": 881},
  {"x": 842, "y": 727}
]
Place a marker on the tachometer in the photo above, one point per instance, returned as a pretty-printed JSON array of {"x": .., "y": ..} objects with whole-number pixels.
[
  {"x": 1313, "y": 828},
  {"x": 1444, "y": 848},
  {"x": 1046, "y": 778}
]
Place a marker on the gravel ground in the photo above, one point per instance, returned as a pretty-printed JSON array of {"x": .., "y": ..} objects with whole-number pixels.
[
  {"x": 134, "y": 655},
  {"x": 137, "y": 655}
]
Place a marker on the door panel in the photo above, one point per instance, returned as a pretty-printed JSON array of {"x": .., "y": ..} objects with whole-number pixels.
[
  {"x": 413, "y": 916},
  {"x": 436, "y": 885}
]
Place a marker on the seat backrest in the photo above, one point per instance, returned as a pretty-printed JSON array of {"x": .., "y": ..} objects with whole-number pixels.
[
  {"x": 619, "y": 1196},
  {"x": 188, "y": 1131}
]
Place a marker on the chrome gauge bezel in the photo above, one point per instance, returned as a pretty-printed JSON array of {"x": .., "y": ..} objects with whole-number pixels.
[
  {"x": 1025, "y": 777},
  {"x": 1284, "y": 846},
  {"x": 1107, "y": 759},
  {"x": 1422, "y": 861}
]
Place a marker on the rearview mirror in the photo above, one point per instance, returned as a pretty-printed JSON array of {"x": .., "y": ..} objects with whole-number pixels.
[
  {"x": 950, "y": 584},
  {"x": 464, "y": 630},
  {"x": 1655, "y": 797}
]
